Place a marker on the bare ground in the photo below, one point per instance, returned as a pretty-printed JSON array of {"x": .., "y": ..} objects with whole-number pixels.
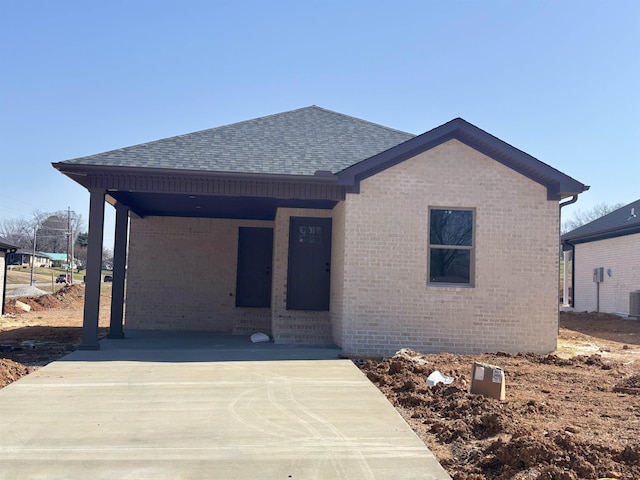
[
  {"x": 574, "y": 414},
  {"x": 51, "y": 329}
]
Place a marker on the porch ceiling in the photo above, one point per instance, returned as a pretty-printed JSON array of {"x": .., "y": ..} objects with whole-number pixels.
[{"x": 211, "y": 206}]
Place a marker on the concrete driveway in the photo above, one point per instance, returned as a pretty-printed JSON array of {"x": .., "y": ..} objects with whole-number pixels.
[{"x": 205, "y": 407}]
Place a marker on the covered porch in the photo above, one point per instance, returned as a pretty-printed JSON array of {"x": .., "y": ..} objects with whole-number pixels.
[{"x": 211, "y": 252}]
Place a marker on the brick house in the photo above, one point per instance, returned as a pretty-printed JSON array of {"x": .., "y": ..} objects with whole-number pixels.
[
  {"x": 317, "y": 227},
  {"x": 5, "y": 249},
  {"x": 606, "y": 261}
]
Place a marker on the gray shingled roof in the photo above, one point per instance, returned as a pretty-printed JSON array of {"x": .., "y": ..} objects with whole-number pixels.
[
  {"x": 617, "y": 223},
  {"x": 298, "y": 142},
  {"x": 4, "y": 243}
]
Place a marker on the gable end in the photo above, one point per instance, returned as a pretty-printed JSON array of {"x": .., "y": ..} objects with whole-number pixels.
[{"x": 557, "y": 183}]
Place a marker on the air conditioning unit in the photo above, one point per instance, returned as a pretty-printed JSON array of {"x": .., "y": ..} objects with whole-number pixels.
[{"x": 634, "y": 304}]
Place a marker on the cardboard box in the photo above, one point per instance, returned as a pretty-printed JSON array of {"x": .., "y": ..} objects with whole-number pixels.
[{"x": 487, "y": 380}]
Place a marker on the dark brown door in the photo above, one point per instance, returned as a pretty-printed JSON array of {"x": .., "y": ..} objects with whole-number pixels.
[
  {"x": 253, "y": 281},
  {"x": 309, "y": 268}
]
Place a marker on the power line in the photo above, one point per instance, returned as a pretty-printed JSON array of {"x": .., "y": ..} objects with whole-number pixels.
[
  {"x": 16, "y": 200},
  {"x": 13, "y": 211}
]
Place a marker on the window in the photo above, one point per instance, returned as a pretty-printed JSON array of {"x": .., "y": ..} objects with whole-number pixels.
[
  {"x": 451, "y": 254},
  {"x": 309, "y": 234}
]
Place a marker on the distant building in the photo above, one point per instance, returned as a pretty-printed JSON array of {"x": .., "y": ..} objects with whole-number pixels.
[
  {"x": 42, "y": 259},
  {"x": 58, "y": 260},
  {"x": 606, "y": 260},
  {"x": 23, "y": 258}
]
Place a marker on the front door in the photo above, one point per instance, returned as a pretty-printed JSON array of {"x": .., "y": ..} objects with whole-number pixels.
[
  {"x": 253, "y": 281},
  {"x": 309, "y": 268}
]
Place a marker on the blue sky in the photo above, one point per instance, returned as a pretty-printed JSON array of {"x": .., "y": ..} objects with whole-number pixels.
[{"x": 557, "y": 79}]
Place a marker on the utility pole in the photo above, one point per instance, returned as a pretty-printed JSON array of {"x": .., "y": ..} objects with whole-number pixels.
[
  {"x": 72, "y": 243},
  {"x": 69, "y": 259},
  {"x": 33, "y": 257}
]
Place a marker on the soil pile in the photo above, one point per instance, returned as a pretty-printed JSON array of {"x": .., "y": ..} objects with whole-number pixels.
[
  {"x": 66, "y": 296},
  {"x": 50, "y": 330},
  {"x": 630, "y": 385},
  {"x": 562, "y": 419},
  {"x": 11, "y": 371}
]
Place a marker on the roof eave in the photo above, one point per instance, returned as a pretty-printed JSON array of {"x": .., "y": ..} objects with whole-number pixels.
[
  {"x": 602, "y": 234},
  {"x": 79, "y": 171}
]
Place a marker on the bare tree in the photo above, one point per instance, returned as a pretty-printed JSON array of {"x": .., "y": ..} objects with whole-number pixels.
[
  {"x": 50, "y": 231},
  {"x": 82, "y": 241},
  {"x": 107, "y": 258},
  {"x": 17, "y": 231},
  {"x": 580, "y": 218}
]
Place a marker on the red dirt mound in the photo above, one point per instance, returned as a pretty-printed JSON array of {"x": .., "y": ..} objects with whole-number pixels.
[
  {"x": 67, "y": 295},
  {"x": 11, "y": 371},
  {"x": 562, "y": 419}
]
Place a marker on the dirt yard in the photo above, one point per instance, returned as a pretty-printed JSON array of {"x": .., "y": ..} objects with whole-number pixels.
[
  {"x": 574, "y": 414},
  {"x": 52, "y": 328}
]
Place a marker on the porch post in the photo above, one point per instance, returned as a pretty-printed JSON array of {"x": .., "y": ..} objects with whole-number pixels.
[
  {"x": 119, "y": 271},
  {"x": 4, "y": 280},
  {"x": 94, "y": 269}
]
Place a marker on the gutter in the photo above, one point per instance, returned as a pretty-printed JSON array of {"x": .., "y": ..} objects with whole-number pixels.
[
  {"x": 83, "y": 170},
  {"x": 574, "y": 199}
]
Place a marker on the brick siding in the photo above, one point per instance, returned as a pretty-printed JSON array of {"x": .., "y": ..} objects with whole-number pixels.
[
  {"x": 182, "y": 272},
  {"x": 181, "y": 275},
  {"x": 382, "y": 300}
]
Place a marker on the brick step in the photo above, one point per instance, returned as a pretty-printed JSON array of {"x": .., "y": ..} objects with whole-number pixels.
[
  {"x": 252, "y": 324},
  {"x": 302, "y": 331}
]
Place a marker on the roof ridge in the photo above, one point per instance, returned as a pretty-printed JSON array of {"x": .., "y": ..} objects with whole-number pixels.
[
  {"x": 197, "y": 132},
  {"x": 343, "y": 115},
  {"x": 241, "y": 122}
]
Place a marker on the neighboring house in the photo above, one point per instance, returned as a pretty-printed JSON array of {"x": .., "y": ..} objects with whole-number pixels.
[
  {"x": 57, "y": 259},
  {"x": 23, "y": 258},
  {"x": 43, "y": 259},
  {"x": 5, "y": 249},
  {"x": 610, "y": 243},
  {"x": 317, "y": 227}
]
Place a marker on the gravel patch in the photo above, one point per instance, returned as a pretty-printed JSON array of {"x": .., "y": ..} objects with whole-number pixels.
[{"x": 28, "y": 291}]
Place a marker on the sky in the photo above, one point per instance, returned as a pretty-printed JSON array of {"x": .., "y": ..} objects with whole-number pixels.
[{"x": 558, "y": 79}]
